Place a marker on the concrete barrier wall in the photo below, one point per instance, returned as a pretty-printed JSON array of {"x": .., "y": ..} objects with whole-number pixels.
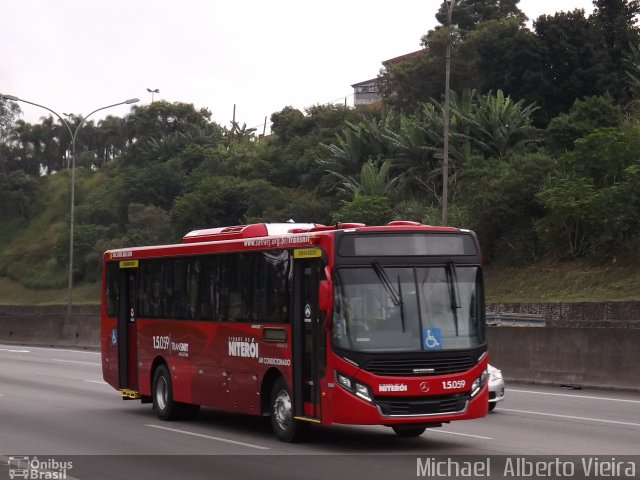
[
  {"x": 589, "y": 357},
  {"x": 47, "y": 325},
  {"x": 575, "y": 312}
]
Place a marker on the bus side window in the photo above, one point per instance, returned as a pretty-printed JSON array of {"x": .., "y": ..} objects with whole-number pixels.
[{"x": 112, "y": 288}]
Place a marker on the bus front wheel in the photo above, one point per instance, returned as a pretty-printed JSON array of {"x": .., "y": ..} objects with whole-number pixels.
[{"x": 286, "y": 428}]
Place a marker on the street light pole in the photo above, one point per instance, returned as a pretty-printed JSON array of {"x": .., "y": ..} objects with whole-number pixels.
[
  {"x": 157, "y": 90},
  {"x": 74, "y": 134},
  {"x": 445, "y": 154}
]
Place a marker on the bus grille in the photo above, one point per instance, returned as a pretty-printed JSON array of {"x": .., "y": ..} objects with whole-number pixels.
[
  {"x": 421, "y": 366},
  {"x": 401, "y": 406}
]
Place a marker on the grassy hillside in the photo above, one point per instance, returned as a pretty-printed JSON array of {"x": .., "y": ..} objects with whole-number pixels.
[
  {"x": 13, "y": 293},
  {"x": 563, "y": 282},
  {"x": 27, "y": 245}
]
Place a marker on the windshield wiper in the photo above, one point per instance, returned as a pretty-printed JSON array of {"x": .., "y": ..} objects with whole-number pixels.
[
  {"x": 396, "y": 295},
  {"x": 454, "y": 295},
  {"x": 384, "y": 279},
  {"x": 401, "y": 304}
]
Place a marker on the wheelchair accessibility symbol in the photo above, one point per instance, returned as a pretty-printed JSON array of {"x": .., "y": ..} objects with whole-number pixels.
[{"x": 431, "y": 339}]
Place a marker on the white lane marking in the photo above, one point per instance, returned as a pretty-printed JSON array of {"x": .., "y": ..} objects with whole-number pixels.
[
  {"x": 219, "y": 439},
  {"x": 74, "y": 361},
  {"x": 72, "y": 379},
  {"x": 13, "y": 351},
  {"x": 571, "y": 417},
  {"x": 608, "y": 399},
  {"x": 434, "y": 430}
]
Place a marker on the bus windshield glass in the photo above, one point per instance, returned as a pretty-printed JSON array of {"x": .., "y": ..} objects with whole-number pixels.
[{"x": 380, "y": 309}]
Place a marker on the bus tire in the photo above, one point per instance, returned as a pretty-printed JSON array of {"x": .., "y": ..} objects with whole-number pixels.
[
  {"x": 286, "y": 428},
  {"x": 407, "y": 431},
  {"x": 162, "y": 394}
]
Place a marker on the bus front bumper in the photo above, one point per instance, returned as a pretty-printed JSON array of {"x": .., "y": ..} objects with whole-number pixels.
[{"x": 346, "y": 408}]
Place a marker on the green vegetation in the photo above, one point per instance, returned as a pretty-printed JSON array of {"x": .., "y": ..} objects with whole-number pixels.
[
  {"x": 544, "y": 162},
  {"x": 574, "y": 281}
]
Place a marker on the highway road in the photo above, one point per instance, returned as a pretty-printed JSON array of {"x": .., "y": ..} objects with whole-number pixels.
[{"x": 54, "y": 405}]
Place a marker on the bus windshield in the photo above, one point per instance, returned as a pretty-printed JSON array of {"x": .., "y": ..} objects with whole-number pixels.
[{"x": 383, "y": 308}]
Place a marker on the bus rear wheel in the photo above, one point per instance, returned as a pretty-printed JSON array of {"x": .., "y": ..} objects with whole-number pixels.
[
  {"x": 162, "y": 396},
  {"x": 409, "y": 430},
  {"x": 285, "y": 427}
]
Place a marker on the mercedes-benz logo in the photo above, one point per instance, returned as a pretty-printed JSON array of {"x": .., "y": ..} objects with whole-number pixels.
[{"x": 424, "y": 387}]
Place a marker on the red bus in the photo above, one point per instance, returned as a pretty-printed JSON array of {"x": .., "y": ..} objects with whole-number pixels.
[{"x": 305, "y": 323}]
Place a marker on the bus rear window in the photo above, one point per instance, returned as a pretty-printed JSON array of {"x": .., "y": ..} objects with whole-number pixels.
[{"x": 409, "y": 244}]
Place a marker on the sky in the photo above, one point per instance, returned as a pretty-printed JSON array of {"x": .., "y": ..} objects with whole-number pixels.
[{"x": 75, "y": 56}]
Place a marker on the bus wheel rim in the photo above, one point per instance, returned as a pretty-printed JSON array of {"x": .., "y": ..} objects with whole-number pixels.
[
  {"x": 282, "y": 410},
  {"x": 162, "y": 393}
]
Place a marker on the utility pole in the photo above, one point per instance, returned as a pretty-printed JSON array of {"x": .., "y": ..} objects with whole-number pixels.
[{"x": 445, "y": 153}]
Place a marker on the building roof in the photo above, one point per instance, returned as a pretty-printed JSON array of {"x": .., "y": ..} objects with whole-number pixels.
[
  {"x": 404, "y": 57},
  {"x": 373, "y": 81}
]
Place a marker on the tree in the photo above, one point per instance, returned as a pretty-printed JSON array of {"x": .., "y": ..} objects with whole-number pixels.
[
  {"x": 222, "y": 201},
  {"x": 470, "y": 14},
  {"x": 374, "y": 180},
  {"x": 27, "y": 136},
  {"x": 148, "y": 224},
  {"x": 616, "y": 21},
  {"x": 111, "y": 139},
  {"x": 17, "y": 194},
  {"x": 9, "y": 112},
  {"x": 368, "y": 209},
  {"x": 576, "y": 62},
  {"x": 584, "y": 117},
  {"x": 592, "y": 200},
  {"x": 498, "y": 125},
  {"x": 287, "y": 124},
  {"x": 508, "y": 57},
  {"x": 158, "y": 131},
  {"x": 499, "y": 198},
  {"x": 293, "y": 163},
  {"x": 406, "y": 83}
]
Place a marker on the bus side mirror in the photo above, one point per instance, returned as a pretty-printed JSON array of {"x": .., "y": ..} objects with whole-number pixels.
[{"x": 324, "y": 295}]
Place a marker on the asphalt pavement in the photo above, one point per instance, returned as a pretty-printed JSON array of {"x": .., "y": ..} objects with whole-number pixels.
[{"x": 55, "y": 406}]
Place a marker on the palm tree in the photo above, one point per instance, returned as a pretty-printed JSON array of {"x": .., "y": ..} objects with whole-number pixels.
[
  {"x": 374, "y": 180},
  {"x": 27, "y": 136},
  {"x": 111, "y": 139},
  {"x": 498, "y": 124}
]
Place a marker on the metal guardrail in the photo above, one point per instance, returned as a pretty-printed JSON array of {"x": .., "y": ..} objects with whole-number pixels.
[{"x": 515, "y": 319}]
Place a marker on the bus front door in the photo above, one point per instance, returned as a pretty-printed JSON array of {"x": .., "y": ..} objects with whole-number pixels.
[
  {"x": 127, "y": 332},
  {"x": 308, "y": 338}
]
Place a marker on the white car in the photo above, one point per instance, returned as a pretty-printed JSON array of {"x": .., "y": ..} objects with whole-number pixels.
[{"x": 496, "y": 387}]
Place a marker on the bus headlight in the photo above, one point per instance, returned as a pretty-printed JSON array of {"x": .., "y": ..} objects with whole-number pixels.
[
  {"x": 344, "y": 381},
  {"x": 360, "y": 390},
  {"x": 478, "y": 383}
]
